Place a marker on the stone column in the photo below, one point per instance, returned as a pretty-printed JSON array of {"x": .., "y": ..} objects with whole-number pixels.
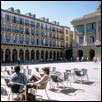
[
  {"x": 74, "y": 37},
  {"x": 18, "y": 56},
  {"x": 11, "y": 55},
  {"x": 48, "y": 55},
  {"x": 44, "y": 54},
  {"x": 24, "y": 54},
  {"x": 35, "y": 56},
  {"x": 85, "y": 35},
  {"x": 4, "y": 55},
  {"x": 39, "y": 54},
  {"x": 29, "y": 55},
  {"x": 56, "y": 55},
  {"x": 97, "y": 31}
]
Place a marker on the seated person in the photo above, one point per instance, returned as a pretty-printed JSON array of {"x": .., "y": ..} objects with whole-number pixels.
[
  {"x": 39, "y": 81},
  {"x": 17, "y": 77}
]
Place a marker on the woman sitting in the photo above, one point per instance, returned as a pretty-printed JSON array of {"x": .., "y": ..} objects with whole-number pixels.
[{"x": 39, "y": 81}]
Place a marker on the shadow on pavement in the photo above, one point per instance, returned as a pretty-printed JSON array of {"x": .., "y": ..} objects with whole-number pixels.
[{"x": 84, "y": 82}]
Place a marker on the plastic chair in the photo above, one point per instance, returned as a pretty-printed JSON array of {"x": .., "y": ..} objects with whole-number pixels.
[
  {"x": 57, "y": 78},
  {"x": 67, "y": 76},
  {"x": 15, "y": 89},
  {"x": 42, "y": 89},
  {"x": 82, "y": 73}
]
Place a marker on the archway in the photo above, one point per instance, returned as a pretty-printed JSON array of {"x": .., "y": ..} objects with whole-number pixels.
[
  {"x": 91, "y": 54},
  {"x": 7, "y": 55},
  {"x": 46, "y": 55},
  {"x": 50, "y": 54},
  {"x": 14, "y": 55},
  {"x": 1, "y": 55},
  {"x": 37, "y": 55},
  {"x": 54, "y": 57},
  {"x": 61, "y": 55},
  {"x": 80, "y": 54},
  {"x": 32, "y": 55},
  {"x": 21, "y": 55},
  {"x": 27, "y": 55},
  {"x": 42, "y": 54},
  {"x": 57, "y": 55},
  {"x": 68, "y": 54}
]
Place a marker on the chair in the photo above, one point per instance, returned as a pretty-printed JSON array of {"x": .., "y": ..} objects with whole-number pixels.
[
  {"x": 43, "y": 89},
  {"x": 82, "y": 73},
  {"x": 57, "y": 78},
  {"x": 52, "y": 70},
  {"x": 67, "y": 76},
  {"x": 15, "y": 89}
]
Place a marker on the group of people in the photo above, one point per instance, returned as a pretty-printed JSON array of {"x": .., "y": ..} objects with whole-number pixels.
[{"x": 18, "y": 77}]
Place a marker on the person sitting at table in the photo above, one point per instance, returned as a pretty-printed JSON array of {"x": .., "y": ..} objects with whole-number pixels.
[
  {"x": 17, "y": 77},
  {"x": 39, "y": 81},
  {"x": 35, "y": 75}
]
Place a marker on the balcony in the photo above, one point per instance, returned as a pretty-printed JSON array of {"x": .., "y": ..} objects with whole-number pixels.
[
  {"x": 80, "y": 33},
  {"x": 14, "y": 41},
  {"x": 21, "y": 42},
  {"x": 91, "y": 30}
]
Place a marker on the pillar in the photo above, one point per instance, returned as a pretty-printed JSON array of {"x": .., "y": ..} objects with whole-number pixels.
[{"x": 85, "y": 35}]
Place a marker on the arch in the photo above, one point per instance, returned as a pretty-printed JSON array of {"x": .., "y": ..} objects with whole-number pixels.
[
  {"x": 21, "y": 54},
  {"x": 1, "y": 55},
  {"x": 50, "y": 54},
  {"x": 37, "y": 54},
  {"x": 91, "y": 54},
  {"x": 7, "y": 55},
  {"x": 27, "y": 55},
  {"x": 57, "y": 55},
  {"x": 61, "y": 55},
  {"x": 54, "y": 56},
  {"x": 32, "y": 55},
  {"x": 80, "y": 54},
  {"x": 42, "y": 54},
  {"x": 68, "y": 54},
  {"x": 14, "y": 55},
  {"x": 46, "y": 55}
]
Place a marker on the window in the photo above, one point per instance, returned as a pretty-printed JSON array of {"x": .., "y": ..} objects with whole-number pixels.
[
  {"x": 80, "y": 29},
  {"x": 37, "y": 25},
  {"x": 26, "y": 22},
  {"x": 42, "y": 26},
  {"x": 67, "y": 38},
  {"x": 8, "y": 17},
  {"x": 66, "y": 31},
  {"x": 21, "y": 21},
  {"x": 91, "y": 39},
  {"x": 21, "y": 30},
  {"x": 91, "y": 27},
  {"x": 2, "y": 27},
  {"x": 14, "y": 19},
  {"x": 37, "y": 41},
  {"x": 80, "y": 40}
]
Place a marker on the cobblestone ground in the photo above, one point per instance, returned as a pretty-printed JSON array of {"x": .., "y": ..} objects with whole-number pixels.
[{"x": 87, "y": 91}]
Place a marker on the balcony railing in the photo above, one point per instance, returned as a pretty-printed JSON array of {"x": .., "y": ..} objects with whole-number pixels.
[{"x": 91, "y": 30}]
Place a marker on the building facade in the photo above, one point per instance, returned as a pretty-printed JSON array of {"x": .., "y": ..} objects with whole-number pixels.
[
  {"x": 29, "y": 38},
  {"x": 68, "y": 37},
  {"x": 87, "y": 36}
]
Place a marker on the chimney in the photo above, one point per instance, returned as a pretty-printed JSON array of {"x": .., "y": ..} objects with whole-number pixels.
[
  {"x": 17, "y": 11},
  {"x": 11, "y": 9},
  {"x": 28, "y": 14}
]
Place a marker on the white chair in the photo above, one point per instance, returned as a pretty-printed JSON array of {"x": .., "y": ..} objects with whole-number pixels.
[
  {"x": 38, "y": 87},
  {"x": 12, "y": 92},
  {"x": 83, "y": 73},
  {"x": 57, "y": 78},
  {"x": 67, "y": 77}
]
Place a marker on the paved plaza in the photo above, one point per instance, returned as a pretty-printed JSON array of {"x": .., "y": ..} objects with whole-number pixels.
[{"x": 89, "y": 91}]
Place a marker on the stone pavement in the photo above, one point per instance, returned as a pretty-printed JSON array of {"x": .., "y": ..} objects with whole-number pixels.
[{"x": 87, "y": 91}]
